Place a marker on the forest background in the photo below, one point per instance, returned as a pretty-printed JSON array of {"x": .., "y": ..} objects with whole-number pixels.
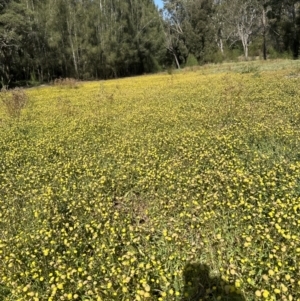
[{"x": 41, "y": 40}]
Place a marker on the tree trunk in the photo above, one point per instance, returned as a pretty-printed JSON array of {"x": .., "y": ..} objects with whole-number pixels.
[
  {"x": 221, "y": 46},
  {"x": 264, "y": 33},
  {"x": 73, "y": 49},
  {"x": 295, "y": 35},
  {"x": 176, "y": 60},
  {"x": 244, "y": 40},
  {"x": 246, "y": 52}
]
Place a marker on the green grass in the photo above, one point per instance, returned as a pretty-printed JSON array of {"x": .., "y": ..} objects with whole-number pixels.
[{"x": 250, "y": 66}]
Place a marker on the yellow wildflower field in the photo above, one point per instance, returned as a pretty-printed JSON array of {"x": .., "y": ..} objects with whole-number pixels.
[{"x": 182, "y": 186}]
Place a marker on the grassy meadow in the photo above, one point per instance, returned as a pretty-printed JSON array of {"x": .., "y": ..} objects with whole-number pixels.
[{"x": 181, "y": 186}]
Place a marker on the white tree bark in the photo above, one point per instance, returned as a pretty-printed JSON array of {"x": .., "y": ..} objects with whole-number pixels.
[{"x": 242, "y": 17}]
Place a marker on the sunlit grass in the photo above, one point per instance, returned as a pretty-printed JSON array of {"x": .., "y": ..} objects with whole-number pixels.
[{"x": 113, "y": 190}]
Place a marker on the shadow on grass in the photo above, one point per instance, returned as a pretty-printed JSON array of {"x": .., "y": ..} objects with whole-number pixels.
[{"x": 199, "y": 285}]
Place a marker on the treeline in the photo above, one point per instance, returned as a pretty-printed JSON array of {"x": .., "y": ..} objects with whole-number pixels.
[
  {"x": 45, "y": 39},
  {"x": 41, "y": 40},
  {"x": 214, "y": 30}
]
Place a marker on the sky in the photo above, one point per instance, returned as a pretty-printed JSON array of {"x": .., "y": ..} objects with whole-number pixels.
[{"x": 159, "y": 3}]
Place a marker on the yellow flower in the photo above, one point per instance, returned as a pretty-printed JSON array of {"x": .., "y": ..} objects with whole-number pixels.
[
  {"x": 265, "y": 294},
  {"x": 271, "y": 273},
  {"x": 60, "y": 286}
]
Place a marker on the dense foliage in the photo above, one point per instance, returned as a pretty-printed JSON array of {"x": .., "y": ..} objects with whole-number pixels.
[
  {"x": 166, "y": 187},
  {"x": 212, "y": 30},
  {"x": 41, "y": 40}
]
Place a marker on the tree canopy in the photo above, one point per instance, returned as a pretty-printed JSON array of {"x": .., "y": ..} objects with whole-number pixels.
[{"x": 41, "y": 40}]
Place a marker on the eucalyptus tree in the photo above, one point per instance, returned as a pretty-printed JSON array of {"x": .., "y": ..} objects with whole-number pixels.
[
  {"x": 284, "y": 20},
  {"x": 220, "y": 30},
  {"x": 199, "y": 29},
  {"x": 45, "y": 39},
  {"x": 174, "y": 18},
  {"x": 189, "y": 29},
  {"x": 127, "y": 37},
  {"x": 242, "y": 20},
  {"x": 15, "y": 24}
]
